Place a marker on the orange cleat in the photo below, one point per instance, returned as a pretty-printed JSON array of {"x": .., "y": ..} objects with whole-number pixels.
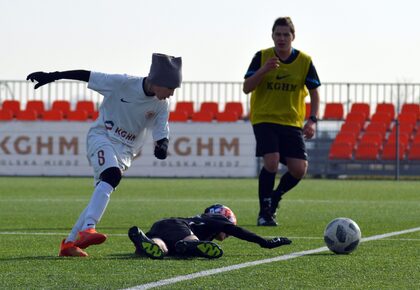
[
  {"x": 89, "y": 237},
  {"x": 70, "y": 250}
]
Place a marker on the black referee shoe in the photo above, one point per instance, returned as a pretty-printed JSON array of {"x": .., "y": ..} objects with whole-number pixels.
[
  {"x": 198, "y": 248},
  {"x": 266, "y": 221},
  {"x": 144, "y": 245}
]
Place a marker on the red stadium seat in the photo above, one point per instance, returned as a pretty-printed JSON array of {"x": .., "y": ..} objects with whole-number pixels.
[
  {"x": 402, "y": 138},
  {"x": 11, "y": 105},
  {"x": 411, "y": 108},
  {"x": 346, "y": 137},
  {"x": 382, "y": 117},
  {"x": 376, "y": 127},
  {"x": 176, "y": 116},
  {"x": 61, "y": 105},
  {"x": 187, "y": 107},
  {"x": 235, "y": 107},
  {"x": 372, "y": 137},
  {"x": 389, "y": 151},
  {"x": 333, "y": 111},
  {"x": 37, "y": 106},
  {"x": 87, "y": 106},
  {"x": 341, "y": 151},
  {"x": 351, "y": 127},
  {"x": 307, "y": 110},
  {"x": 416, "y": 138},
  {"x": 77, "y": 116},
  {"x": 403, "y": 128},
  {"x": 386, "y": 108},
  {"x": 227, "y": 117},
  {"x": 94, "y": 115},
  {"x": 205, "y": 116},
  {"x": 6, "y": 115},
  {"x": 56, "y": 115},
  {"x": 407, "y": 118},
  {"x": 414, "y": 152},
  {"x": 367, "y": 151},
  {"x": 361, "y": 108},
  {"x": 27, "y": 115},
  {"x": 356, "y": 117},
  {"x": 212, "y": 107}
]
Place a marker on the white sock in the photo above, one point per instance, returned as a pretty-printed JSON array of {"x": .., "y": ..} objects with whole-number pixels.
[
  {"x": 77, "y": 227},
  {"x": 97, "y": 205}
]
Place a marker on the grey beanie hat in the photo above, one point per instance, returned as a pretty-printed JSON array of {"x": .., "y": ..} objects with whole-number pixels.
[{"x": 165, "y": 71}]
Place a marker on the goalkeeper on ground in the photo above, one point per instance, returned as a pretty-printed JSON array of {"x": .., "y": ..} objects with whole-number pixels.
[{"x": 192, "y": 237}]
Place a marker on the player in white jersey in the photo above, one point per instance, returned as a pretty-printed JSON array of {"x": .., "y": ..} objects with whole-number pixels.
[{"x": 132, "y": 107}]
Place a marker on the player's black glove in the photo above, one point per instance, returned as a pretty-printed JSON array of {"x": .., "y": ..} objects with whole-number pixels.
[
  {"x": 43, "y": 78},
  {"x": 276, "y": 242},
  {"x": 161, "y": 148}
]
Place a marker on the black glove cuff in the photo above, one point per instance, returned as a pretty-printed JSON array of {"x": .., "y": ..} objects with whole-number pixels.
[{"x": 163, "y": 141}]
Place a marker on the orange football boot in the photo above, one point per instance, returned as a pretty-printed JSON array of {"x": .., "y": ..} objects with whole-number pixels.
[
  {"x": 89, "y": 237},
  {"x": 70, "y": 250}
]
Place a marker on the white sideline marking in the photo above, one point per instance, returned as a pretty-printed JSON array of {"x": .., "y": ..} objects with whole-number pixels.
[{"x": 255, "y": 263}]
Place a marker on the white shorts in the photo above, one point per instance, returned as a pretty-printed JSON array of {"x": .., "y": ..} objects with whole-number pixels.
[{"x": 103, "y": 154}]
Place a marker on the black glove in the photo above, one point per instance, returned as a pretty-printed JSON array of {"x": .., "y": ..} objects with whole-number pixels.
[
  {"x": 276, "y": 242},
  {"x": 43, "y": 78},
  {"x": 161, "y": 148}
]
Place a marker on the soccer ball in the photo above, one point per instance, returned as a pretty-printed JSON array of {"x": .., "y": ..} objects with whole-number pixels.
[{"x": 342, "y": 235}]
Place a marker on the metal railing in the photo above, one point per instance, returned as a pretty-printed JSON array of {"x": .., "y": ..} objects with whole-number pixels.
[{"x": 221, "y": 92}]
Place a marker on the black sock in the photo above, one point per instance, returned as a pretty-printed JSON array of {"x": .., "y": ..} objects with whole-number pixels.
[
  {"x": 265, "y": 188},
  {"x": 287, "y": 182}
]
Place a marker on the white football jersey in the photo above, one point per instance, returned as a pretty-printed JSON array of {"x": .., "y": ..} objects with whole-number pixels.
[{"x": 127, "y": 114}]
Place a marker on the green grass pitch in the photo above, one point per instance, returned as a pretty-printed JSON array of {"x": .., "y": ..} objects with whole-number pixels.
[{"x": 36, "y": 213}]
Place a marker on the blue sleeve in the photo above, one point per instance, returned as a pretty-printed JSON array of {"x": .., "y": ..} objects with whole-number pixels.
[
  {"x": 254, "y": 66},
  {"x": 312, "y": 80}
]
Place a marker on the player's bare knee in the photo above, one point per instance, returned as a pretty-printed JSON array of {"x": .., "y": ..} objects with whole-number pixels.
[
  {"x": 299, "y": 172},
  {"x": 298, "y": 169},
  {"x": 112, "y": 176}
]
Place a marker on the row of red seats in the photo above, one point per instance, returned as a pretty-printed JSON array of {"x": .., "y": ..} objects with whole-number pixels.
[
  {"x": 208, "y": 112},
  {"x": 374, "y": 139},
  {"x": 361, "y": 111},
  {"x": 374, "y": 146},
  {"x": 60, "y": 110}
]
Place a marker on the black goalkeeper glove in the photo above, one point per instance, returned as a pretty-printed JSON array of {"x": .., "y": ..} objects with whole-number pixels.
[
  {"x": 43, "y": 78},
  {"x": 276, "y": 242},
  {"x": 161, "y": 148}
]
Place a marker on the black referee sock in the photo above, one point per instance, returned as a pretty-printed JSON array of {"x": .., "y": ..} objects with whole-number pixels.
[
  {"x": 265, "y": 188},
  {"x": 287, "y": 182}
]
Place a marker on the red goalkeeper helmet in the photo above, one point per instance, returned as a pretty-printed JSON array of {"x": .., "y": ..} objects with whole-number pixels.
[{"x": 223, "y": 210}]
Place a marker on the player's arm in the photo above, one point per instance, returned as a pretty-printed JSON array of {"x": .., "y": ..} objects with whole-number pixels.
[
  {"x": 44, "y": 78},
  {"x": 249, "y": 236},
  {"x": 312, "y": 82},
  {"x": 256, "y": 72},
  {"x": 161, "y": 133}
]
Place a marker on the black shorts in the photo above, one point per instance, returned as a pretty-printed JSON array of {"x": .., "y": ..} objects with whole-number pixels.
[
  {"x": 170, "y": 230},
  {"x": 286, "y": 140}
]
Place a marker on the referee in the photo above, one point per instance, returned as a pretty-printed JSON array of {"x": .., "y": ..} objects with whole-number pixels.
[{"x": 279, "y": 78}]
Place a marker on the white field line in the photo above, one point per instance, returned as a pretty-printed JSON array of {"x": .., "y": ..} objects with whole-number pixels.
[{"x": 255, "y": 263}]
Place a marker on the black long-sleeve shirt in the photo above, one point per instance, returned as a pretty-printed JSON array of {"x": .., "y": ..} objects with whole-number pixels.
[{"x": 208, "y": 226}]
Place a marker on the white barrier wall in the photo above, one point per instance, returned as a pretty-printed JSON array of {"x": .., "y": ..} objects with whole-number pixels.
[{"x": 195, "y": 149}]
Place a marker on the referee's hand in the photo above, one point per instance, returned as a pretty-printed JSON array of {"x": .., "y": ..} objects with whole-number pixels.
[{"x": 309, "y": 129}]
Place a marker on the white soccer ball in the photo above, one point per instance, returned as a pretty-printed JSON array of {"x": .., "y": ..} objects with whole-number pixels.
[{"x": 342, "y": 235}]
